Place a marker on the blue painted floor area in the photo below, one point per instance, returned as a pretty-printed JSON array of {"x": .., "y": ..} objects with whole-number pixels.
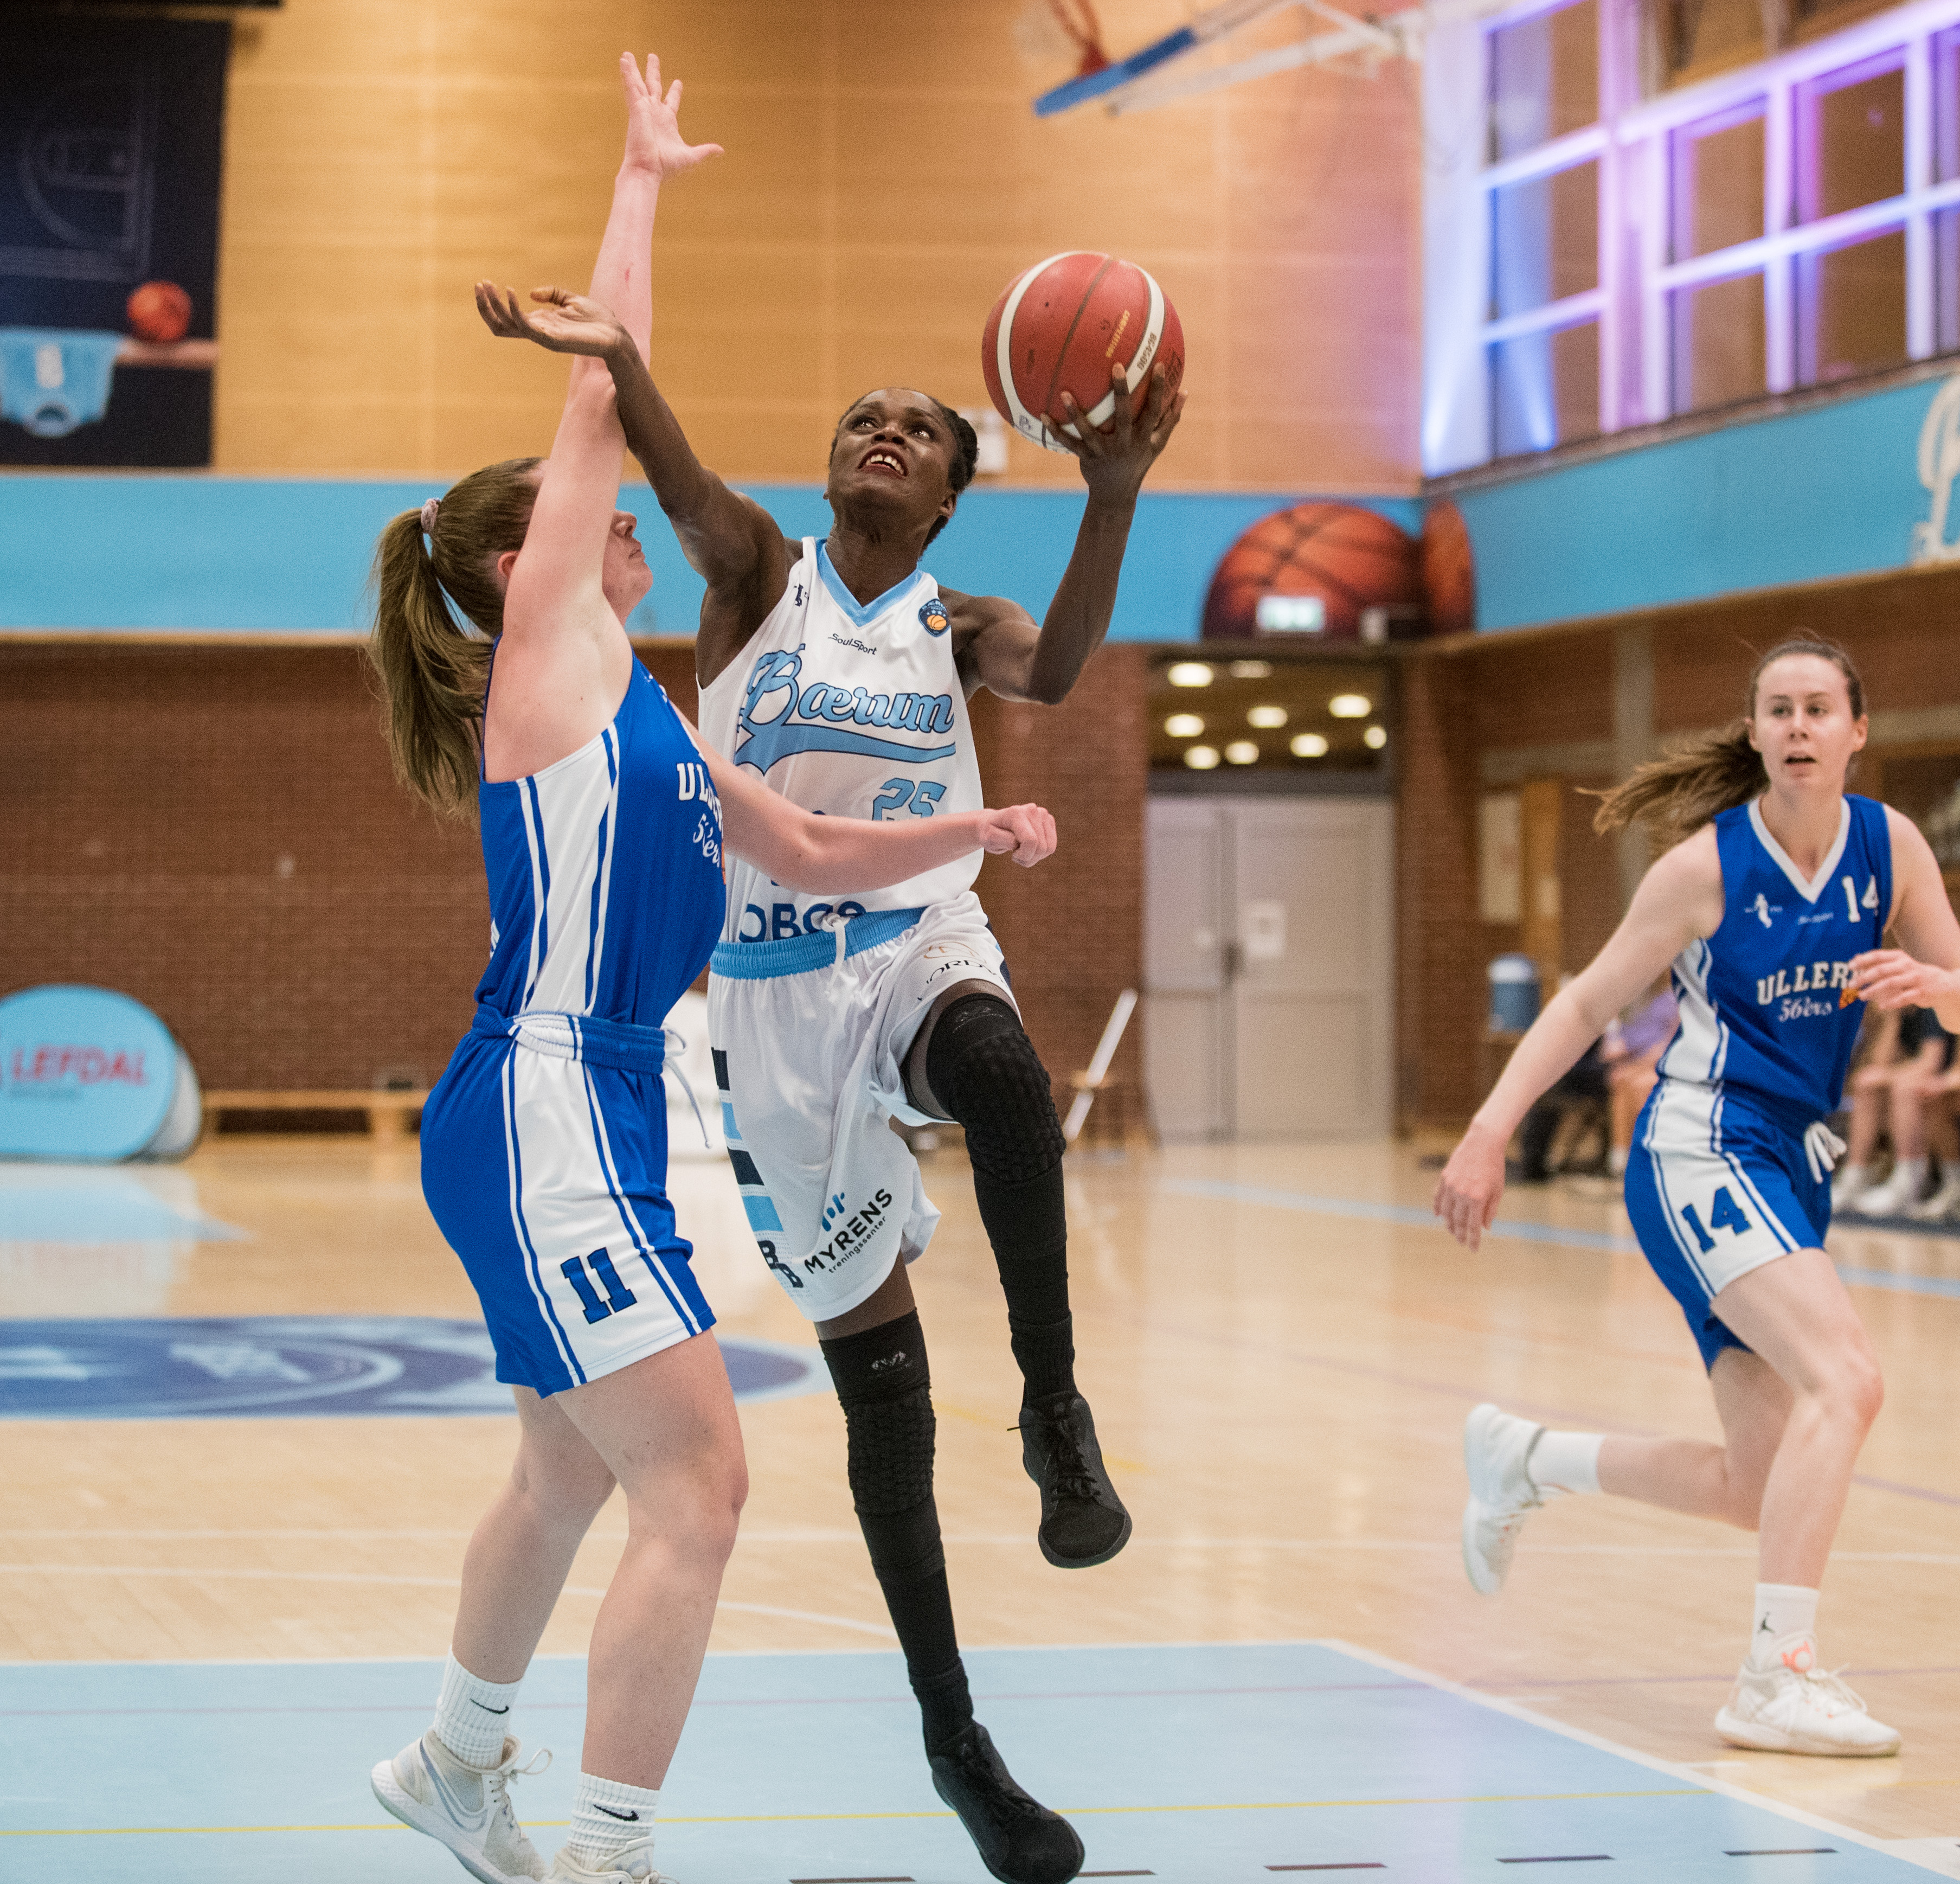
[{"x": 1195, "y": 1766}]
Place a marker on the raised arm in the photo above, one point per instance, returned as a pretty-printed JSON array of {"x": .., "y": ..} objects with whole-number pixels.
[
  {"x": 730, "y": 540},
  {"x": 1678, "y": 900},
  {"x": 818, "y": 854},
  {"x": 556, "y": 578},
  {"x": 1001, "y": 648}
]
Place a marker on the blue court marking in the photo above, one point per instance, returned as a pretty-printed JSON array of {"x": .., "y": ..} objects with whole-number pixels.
[
  {"x": 1411, "y": 1216},
  {"x": 63, "y": 1204},
  {"x": 273, "y": 1366},
  {"x": 1204, "y": 1764},
  {"x": 1408, "y": 1215}
]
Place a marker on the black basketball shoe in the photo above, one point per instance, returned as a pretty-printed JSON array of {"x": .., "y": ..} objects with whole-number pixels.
[
  {"x": 1083, "y": 1521},
  {"x": 1020, "y": 1840}
]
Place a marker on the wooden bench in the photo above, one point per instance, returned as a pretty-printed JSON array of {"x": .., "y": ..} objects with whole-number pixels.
[{"x": 387, "y": 1111}]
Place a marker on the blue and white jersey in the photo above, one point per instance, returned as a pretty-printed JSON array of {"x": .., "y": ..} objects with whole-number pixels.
[
  {"x": 1767, "y": 1005},
  {"x": 604, "y": 871},
  {"x": 854, "y": 710}
]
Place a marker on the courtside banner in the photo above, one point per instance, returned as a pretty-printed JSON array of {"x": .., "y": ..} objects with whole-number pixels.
[{"x": 85, "y": 1074}]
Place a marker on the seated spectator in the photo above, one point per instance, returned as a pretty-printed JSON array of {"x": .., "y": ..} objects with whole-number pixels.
[
  {"x": 1895, "y": 1087},
  {"x": 1631, "y": 1051},
  {"x": 1582, "y": 1089}
]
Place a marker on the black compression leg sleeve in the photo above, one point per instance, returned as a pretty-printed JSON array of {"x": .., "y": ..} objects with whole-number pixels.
[
  {"x": 985, "y": 1069},
  {"x": 886, "y": 1390}
]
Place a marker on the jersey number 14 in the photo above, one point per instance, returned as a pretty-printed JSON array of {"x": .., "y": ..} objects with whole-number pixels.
[
  {"x": 1724, "y": 1213},
  {"x": 1871, "y": 897}
]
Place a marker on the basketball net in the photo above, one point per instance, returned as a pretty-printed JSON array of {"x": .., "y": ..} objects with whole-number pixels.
[{"x": 1050, "y": 30}]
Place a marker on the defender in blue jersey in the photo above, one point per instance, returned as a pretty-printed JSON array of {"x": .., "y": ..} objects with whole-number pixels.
[
  {"x": 544, "y": 1146},
  {"x": 1772, "y": 908}
]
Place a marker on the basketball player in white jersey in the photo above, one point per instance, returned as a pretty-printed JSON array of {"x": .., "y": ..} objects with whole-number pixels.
[{"x": 840, "y": 671}]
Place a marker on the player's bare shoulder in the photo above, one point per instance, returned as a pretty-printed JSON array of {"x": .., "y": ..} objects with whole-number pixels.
[
  {"x": 978, "y": 617},
  {"x": 1688, "y": 878}
]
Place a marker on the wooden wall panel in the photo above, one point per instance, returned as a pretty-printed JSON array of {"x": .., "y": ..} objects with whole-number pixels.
[{"x": 885, "y": 177}]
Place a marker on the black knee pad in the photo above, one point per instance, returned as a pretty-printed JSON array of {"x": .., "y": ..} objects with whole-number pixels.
[
  {"x": 885, "y": 1386},
  {"x": 981, "y": 1064}
]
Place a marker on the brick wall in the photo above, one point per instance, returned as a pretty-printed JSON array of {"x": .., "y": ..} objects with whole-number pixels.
[
  {"x": 1439, "y": 953},
  {"x": 1072, "y": 927},
  {"x": 215, "y": 832}
]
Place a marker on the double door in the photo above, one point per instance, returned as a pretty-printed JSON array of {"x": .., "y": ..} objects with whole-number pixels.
[{"x": 1268, "y": 964}]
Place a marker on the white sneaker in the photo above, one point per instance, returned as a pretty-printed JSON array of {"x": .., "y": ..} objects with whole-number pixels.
[
  {"x": 467, "y": 1808},
  {"x": 1892, "y": 1198},
  {"x": 1496, "y": 1445},
  {"x": 1848, "y": 1183},
  {"x": 633, "y": 1866},
  {"x": 1942, "y": 1203},
  {"x": 1795, "y": 1707}
]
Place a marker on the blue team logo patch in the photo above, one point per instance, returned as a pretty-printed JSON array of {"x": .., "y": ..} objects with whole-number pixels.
[{"x": 933, "y": 615}]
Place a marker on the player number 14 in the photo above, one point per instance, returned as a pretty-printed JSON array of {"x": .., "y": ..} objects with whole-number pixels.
[
  {"x": 1724, "y": 1213},
  {"x": 1851, "y": 895}
]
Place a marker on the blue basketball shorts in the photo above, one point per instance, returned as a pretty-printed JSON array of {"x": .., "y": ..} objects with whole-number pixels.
[
  {"x": 1717, "y": 1187},
  {"x": 548, "y": 1177}
]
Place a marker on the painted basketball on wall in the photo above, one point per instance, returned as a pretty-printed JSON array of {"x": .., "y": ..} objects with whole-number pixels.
[
  {"x": 1317, "y": 569},
  {"x": 1449, "y": 570}
]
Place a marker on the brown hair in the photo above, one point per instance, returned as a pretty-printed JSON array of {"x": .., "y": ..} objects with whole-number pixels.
[
  {"x": 1679, "y": 794},
  {"x": 434, "y": 671}
]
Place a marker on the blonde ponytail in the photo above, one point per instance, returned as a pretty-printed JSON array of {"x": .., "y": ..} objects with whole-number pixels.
[
  {"x": 434, "y": 671},
  {"x": 1679, "y": 793}
]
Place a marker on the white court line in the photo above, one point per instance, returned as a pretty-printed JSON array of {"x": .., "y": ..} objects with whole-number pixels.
[
  {"x": 419, "y": 1583},
  {"x": 1674, "y": 1769}
]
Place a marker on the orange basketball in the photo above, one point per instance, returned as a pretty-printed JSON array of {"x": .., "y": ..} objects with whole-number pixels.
[
  {"x": 1449, "y": 570},
  {"x": 1059, "y": 328},
  {"x": 159, "y": 312},
  {"x": 1349, "y": 558}
]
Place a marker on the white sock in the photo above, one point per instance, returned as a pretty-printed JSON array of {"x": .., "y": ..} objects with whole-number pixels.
[
  {"x": 1565, "y": 1461},
  {"x": 1852, "y": 1177},
  {"x": 607, "y": 1817},
  {"x": 1783, "y": 1610},
  {"x": 473, "y": 1717},
  {"x": 1616, "y": 1161},
  {"x": 1909, "y": 1175}
]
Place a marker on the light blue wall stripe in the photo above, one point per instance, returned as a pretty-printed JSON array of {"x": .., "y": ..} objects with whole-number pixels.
[
  {"x": 1834, "y": 491},
  {"x": 213, "y": 552}
]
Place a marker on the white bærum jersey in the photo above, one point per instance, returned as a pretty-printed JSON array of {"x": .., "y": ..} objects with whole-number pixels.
[{"x": 856, "y": 712}]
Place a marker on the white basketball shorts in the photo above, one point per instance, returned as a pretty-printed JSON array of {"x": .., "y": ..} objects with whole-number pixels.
[{"x": 810, "y": 1037}]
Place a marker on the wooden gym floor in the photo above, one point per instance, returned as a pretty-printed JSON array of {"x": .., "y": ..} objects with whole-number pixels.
[{"x": 1280, "y": 1350}]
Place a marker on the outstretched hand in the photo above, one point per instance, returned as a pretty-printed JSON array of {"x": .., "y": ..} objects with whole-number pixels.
[
  {"x": 1115, "y": 457},
  {"x": 1467, "y": 1192},
  {"x": 654, "y": 142},
  {"x": 563, "y": 322},
  {"x": 1024, "y": 830}
]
